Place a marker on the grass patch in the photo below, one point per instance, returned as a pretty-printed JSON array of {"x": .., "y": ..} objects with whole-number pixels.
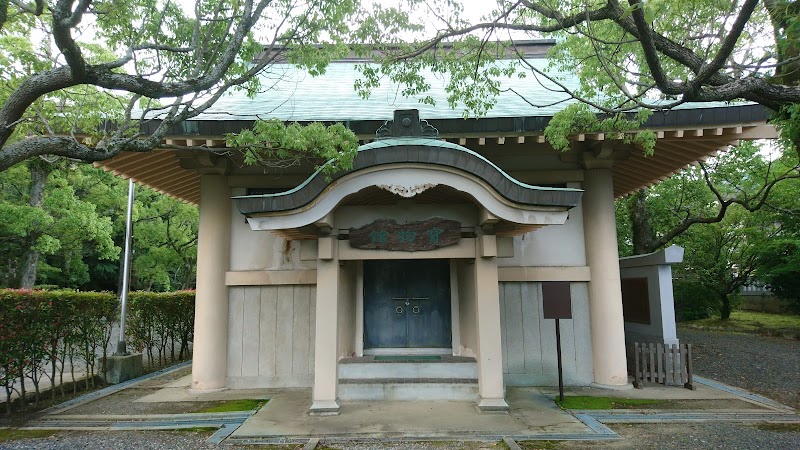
[
  {"x": 236, "y": 405},
  {"x": 288, "y": 447},
  {"x": 12, "y": 434},
  {"x": 587, "y": 402},
  {"x": 540, "y": 445},
  {"x": 198, "y": 430},
  {"x": 753, "y": 322},
  {"x": 780, "y": 427}
]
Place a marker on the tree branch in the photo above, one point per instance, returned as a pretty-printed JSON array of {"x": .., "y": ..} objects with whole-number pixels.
[{"x": 707, "y": 70}]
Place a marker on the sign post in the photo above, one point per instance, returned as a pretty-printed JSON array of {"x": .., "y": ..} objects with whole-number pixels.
[{"x": 557, "y": 304}]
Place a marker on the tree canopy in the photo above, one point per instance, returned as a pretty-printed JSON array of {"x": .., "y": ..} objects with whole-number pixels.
[
  {"x": 76, "y": 232},
  {"x": 78, "y": 75},
  {"x": 654, "y": 54},
  {"x": 732, "y": 247}
]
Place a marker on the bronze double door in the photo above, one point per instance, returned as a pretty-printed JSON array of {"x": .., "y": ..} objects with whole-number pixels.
[{"x": 407, "y": 304}]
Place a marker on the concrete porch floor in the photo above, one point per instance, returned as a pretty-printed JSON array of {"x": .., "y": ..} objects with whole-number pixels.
[
  {"x": 532, "y": 415},
  {"x": 285, "y": 419}
]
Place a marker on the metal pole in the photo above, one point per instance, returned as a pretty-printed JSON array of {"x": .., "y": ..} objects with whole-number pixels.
[
  {"x": 560, "y": 368},
  {"x": 122, "y": 346}
]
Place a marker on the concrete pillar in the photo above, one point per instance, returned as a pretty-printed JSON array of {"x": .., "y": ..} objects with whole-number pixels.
[
  {"x": 325, "y": 397},
  {"x": 487, "y": 312},
  {"x": 209, "y": 362},
  {"x": 605, "y": 292}
]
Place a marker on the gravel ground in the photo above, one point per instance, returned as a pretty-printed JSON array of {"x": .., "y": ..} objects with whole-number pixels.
[
  {"x": 707, "y": 436},
  {"x": 635, "y": 437},
  {"x": 765, "y": 365}
]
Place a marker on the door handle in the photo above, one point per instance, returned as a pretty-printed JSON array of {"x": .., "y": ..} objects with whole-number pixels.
[
  {"x": 399, "y": 310},
  {"x": 415, "y": 309}
]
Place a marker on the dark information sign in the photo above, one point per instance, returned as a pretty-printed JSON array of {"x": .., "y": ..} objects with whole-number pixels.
[
  {"x": 387, "y": 234},
  {"x": 556, "y": 300}
]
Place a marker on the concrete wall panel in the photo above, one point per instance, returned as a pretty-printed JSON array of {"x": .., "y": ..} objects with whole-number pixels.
[
  {"x": 466, "y": 306},
  {"x": 347, "y": 308},
  {"x": 271, "y": 335},
  {"x": 529, "y": 342},
  {"x": 553, "y": 245}
]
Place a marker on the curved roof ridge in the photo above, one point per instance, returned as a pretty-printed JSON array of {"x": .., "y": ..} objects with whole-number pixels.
[{"x": 414, "y": 150}]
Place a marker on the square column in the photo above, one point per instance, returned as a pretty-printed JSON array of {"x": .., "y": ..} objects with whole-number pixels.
[
  {"x": 487, "y": 312},
  {"x": 325, "y": 396},
  {"x": 210, "y": 359}
]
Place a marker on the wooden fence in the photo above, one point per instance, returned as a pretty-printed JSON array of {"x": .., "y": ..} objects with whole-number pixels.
[{"x": 670, "y": 365}]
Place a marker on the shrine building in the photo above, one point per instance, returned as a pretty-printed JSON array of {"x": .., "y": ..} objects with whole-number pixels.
[{"x": 426, "y": 270}]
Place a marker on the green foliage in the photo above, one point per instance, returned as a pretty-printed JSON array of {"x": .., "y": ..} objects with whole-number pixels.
[
  {"x": 588, "y": 402},
  {"x": 66, "y": 229},
  {"x": 779, "y": 427},
  {"x": 753, "y": 323},
  {"x": 719, "y": 260},
  {"x": 579, "y": 118},
  {"x": 80, "y": 229},
  {"x": 331, "y": 148},
  {"x": 722, "y": 254},
  {"x": 11, "y": 434},
  {"x": 624, "y": 226},
  {"x": 779, "y": 257},
  {"x": 165, "y": 242},
  {"x": 49, "y": 327},
  {"x": 40, "y": 331},
  {"x": 172, "y": 61},
  {"x": 83, "y": 108},
  {"x": 694, "y": 300},
  {"x": 236, "y": 405},
  {"x": 779, "y": 268},
  {"x": 158, "y": 321}
]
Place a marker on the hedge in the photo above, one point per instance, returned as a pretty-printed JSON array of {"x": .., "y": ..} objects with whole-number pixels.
[
  {"x": 157, "y": 321},
  {"x": 40, "y": 331}
]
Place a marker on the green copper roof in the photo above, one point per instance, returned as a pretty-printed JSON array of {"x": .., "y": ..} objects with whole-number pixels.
[
  {"x": 291, "y": 94},
  {"x": 294, "y": 95}
]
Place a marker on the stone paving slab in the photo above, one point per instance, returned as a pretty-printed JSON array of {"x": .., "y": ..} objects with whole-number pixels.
[
  {"x": 531, "y": 414},
  {"x": 621, "y": 416}
]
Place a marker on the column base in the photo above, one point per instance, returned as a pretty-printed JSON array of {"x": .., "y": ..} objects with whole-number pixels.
[
  {"x": 493, "y": 405},
  {"x": 206, "y": 391},
  {"x": 121, "y": 368},
  {"x": 612, "y": 387},
  {"x": 325, "y": 408}
]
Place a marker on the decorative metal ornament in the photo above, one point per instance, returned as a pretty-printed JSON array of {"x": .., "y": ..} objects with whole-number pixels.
[
  {"x": 406, "y": 191},
  {"x": 406, "y": 123}
]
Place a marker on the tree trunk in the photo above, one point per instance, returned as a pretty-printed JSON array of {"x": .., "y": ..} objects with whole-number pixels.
[
  {"x": 30, "y": 268},
  {"x": 642, "y": 234},
  {"x": 39, "y": 171},
  {"x": 783, "y": 14},
  {"x": 725, "y": 313}
]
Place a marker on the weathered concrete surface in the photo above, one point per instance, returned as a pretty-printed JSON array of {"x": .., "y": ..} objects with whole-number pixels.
[
  {"x": 120, "y": 368},
  {"x": 531, "y": 413}
]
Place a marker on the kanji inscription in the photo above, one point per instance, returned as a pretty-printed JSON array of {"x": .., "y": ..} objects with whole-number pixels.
[{"x": 387, "y": 234}]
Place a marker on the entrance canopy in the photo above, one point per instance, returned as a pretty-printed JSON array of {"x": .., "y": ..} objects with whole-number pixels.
[{"x": 408, "y": 166}]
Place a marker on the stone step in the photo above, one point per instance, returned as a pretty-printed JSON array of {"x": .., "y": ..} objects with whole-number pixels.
[
  {"x": 409, "y": 389},
  {"x": 366, "y": 368}
]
